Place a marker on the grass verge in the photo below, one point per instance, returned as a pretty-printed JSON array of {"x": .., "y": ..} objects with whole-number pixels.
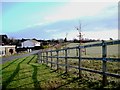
[{"x": 27, "y": 73}]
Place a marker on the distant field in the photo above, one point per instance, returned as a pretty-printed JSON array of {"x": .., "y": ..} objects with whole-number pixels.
[{"x": 112, "y": 50}]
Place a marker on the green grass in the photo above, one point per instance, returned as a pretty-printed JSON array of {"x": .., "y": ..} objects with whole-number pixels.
[
  {"x": 15, "y": 54},
  {"x": 27, "y": 73}
]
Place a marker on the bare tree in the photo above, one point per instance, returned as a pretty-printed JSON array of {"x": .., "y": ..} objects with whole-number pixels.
[{"x": 79, "y": 29}]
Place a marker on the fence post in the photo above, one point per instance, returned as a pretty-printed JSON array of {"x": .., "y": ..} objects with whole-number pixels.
[
  {"x": 47, "y": 57},
  {"x": 43, "y": 57},
  {"x": 39, "y": 56},
  {"x": 79, "y": 64},
  {"x": 104, "y": 66},
  {"x": 51, "y": 59},
  {"x": 63, "y": 51},
  {"x": 66, "y": 61},
  {"x": 76, "y": 52},
  {"x": 57, "y": 59}
]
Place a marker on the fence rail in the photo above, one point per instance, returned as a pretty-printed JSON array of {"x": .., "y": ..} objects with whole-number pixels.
[{"x": 45, "y": 55}]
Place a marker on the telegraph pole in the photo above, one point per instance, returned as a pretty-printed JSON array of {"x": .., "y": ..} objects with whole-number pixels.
[
  {"x": 66, "y": 36},
  {"x": 66, "y": 40},
  {"x": 80, "y": 35}
]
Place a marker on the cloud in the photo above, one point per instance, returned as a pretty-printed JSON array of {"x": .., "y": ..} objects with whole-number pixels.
[
  {"x": 101, "y": 20},
  {"x": 98, "y": 34},
  {"x": 33, "y": 25},
  {"x": 74, "y": 10},
  {"x": 104, "y": 34},
  {"x": 51, "y": 31},
  {"x": 71, "y": 35}
]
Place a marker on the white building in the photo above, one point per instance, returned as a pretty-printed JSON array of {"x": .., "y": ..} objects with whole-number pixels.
[
  {"x": 30, "y": 43},
  {"x": 5, "y": 50}
]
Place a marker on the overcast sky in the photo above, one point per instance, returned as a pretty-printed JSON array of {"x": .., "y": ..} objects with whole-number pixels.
[{"x": 52, "y": 20}]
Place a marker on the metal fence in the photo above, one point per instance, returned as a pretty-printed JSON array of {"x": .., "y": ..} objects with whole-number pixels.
[{"x": 48, "y": 54}]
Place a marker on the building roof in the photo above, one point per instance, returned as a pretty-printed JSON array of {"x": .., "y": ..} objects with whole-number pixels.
[
  {"x": 8, "y": 46},
  {"x": 34, "y": 41},
  {"x": 3, "y": 36}
]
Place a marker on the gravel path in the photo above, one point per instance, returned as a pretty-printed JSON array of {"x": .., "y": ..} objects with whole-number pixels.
[{"x": 5, "y": 59}]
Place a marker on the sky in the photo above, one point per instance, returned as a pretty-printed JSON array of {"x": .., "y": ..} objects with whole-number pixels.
[{"x": 55, "y": 20}]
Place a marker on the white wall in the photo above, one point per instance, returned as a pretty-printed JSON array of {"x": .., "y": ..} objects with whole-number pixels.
[
  {"x": 37, "y": 44},
  {"x": 27, "y": 44},
  {"x": 2, "y": 51}
]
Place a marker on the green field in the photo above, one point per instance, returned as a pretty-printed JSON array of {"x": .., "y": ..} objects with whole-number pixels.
[
  {"x": 112, "y": 50},
  {"x": 28, "y": 73}
]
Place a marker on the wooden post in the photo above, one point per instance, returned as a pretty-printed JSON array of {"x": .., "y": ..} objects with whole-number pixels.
[
  {"x": 85, "y": 51},
  {"x": 51, "y": 59},
  {"x": 47, "y": 57},
  {"x": 104, "y": 66},
  {"x": 38, "y": 58},
  {"x": 63, "y": 51},
  {"x": 41, "y": 56},
  {"x": 66, "y": 61},
  {"x": 69, "y": 51},
  {"x": 57, "y": 59},
  {"x": 76, "y": 52},
  {"x": 79, "y": 64}
]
